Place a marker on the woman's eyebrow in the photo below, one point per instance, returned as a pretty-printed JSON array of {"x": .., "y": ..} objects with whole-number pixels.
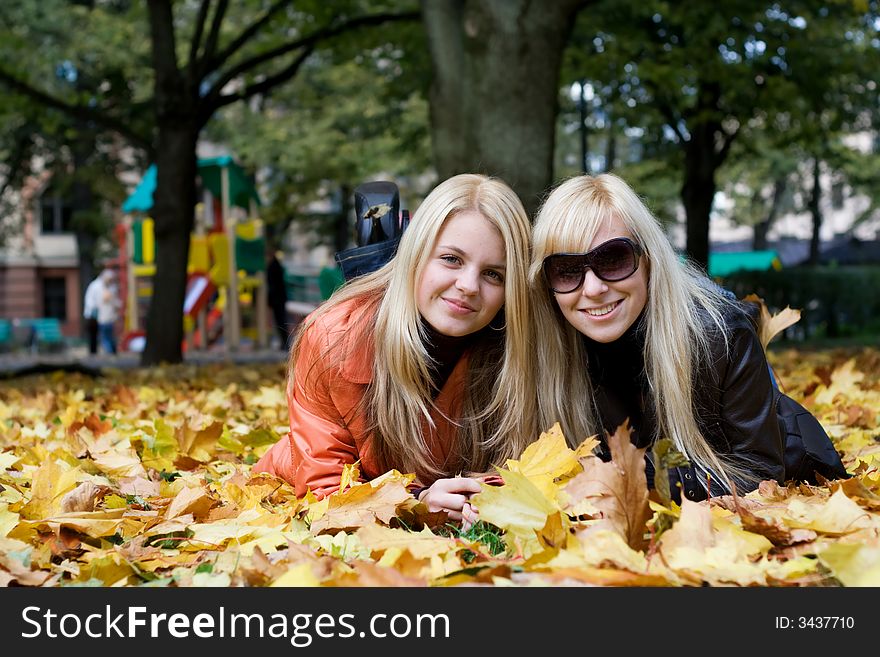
[{"x": 451, "y": 247}]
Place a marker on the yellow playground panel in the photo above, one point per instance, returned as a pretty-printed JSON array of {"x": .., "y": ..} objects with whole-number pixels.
[{"x": 228, "y": 238}]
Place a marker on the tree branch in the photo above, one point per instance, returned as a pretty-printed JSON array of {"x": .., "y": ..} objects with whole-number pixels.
[
  {"x": 264, "y": 85},
  {"x": 76, "y": 111},
  {"x": 307, "y": 42},
  {"x": 197, "y": 36},
  {"x": 17, "y": 160},
  {"x": 665, "y": 109},
  {"x": 725, "y": 146},
  {"x": 672, "y": 119},
  {"x": 247, "y": 34},
  {"x": 214, "y": 36},
  {"x": 164, "y": 50}
]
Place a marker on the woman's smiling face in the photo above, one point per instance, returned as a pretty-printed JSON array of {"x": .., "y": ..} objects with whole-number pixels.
[
  {"x": 462, "y": 285},
  {"x": 603, "y": 310}
]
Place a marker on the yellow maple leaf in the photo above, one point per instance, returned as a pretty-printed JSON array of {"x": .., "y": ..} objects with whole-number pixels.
[
  {"x": 351, "y": 475},
  {"x": 838, "y": 515},
  {"x": 518, "y": 507},
  {"x": 196, "y": 501},
  {"x": 545, "y": 460},
  {"x": 269, "y": 397},
  {"x": 854, "y": 564},
  {"x": 90, "y": 523},
  {"x": 300, "y": 575},
  {"x": 199, "y": 442},
  {"x": 8, "y": 520},
  {"x": 706, "y": 544},
  {"x": 160, "y": 447},
  {"x": 8, "y": 459},
  {"x": 49, "y": 483},
  {"x": 844, "y": 381},
  {"x": 585, "y": 449},
  {"x": 422, "y": 545},
  {"x": 114, "y": 456},
  {"x": 599, "y": 545},
  {"x": 341, "y": 545}
]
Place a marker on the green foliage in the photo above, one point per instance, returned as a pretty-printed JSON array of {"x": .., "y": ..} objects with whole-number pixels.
[
  {"x": 781, "y": 83},
  {"x": 485, "y": 533},
  {"x": 340, "y": 123}
]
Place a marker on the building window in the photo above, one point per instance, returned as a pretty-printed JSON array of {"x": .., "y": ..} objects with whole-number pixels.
[
  {"x": 55, "y": 297},
  {"x": 55, "y": 214}
]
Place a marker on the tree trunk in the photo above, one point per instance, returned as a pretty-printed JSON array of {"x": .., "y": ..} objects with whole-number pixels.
[
  {"x": 173, "y": 206},
  {"x": 582, "y": 125},
  {"x": 815, "y": 213},
  {"x": 610, "y": 147},
  {"x": 698, "y": 191},
  {"x": 759, "y": 241},
  {"x": 485, "y": 119}
]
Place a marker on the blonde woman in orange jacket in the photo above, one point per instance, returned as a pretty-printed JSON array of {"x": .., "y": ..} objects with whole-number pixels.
[{"x": 425, "y": 365}]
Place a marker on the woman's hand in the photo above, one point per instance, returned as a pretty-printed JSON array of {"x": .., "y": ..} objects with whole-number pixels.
[{"x": 452, "y": 495}]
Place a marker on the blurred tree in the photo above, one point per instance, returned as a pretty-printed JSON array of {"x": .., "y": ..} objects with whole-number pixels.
[
  {"x": 35, "y": 137},
  {"x": 702, "y": 75},
  {"x": 353, "y": 114},
  {"x": 203, "y": 56}
]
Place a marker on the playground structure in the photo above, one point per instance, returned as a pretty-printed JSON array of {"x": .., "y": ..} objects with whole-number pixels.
[{"x": 226, "y": 271}]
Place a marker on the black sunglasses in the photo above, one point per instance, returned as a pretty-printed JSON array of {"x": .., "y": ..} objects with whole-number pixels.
[{"x": 611, "y": 261}]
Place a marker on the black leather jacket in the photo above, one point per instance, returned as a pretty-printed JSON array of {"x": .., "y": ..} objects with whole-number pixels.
[{"x": 733, "y": 397}]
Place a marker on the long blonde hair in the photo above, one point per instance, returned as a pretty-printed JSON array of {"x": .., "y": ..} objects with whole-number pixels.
[
  {"x": 499, "y": 404},
  {"x": 683, "y": 315}
]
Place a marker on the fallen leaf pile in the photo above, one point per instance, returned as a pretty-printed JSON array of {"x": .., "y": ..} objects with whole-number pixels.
[{"x": 143, "y": 478}]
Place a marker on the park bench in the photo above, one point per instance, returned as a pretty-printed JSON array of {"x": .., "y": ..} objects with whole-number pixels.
[
  {"x": 45, "y": 334},
  {"x": 6, "y": 341}
]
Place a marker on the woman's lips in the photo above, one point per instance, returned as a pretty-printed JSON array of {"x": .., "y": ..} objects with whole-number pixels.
[
  {"x": 602, "y": 312},
  {"x": 458, "y": 307}
]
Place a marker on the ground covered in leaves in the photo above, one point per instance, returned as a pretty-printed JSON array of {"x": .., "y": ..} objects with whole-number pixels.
[{"x": 143, "y": 478}]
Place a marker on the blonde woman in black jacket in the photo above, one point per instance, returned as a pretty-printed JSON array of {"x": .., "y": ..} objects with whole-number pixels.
[{"x": 628, "y": 331}]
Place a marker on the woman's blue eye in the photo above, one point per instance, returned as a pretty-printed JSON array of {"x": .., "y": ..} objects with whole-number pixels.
[
  {"x": 451, "y": 259},
  {"x": 497, "y": 276}
]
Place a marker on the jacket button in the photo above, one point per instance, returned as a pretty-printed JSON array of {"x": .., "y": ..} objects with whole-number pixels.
[
  {"x": 687, "y": 475},
  {"x": 690, "y": 493}
]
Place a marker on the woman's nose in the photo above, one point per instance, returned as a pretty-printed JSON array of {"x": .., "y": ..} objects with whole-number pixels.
[
  {"x": 593, "y": 285},
  {"x": 467, "y": 281}
]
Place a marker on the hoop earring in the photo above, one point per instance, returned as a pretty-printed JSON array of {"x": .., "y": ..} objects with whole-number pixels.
[{"x": 498, "y": 328}]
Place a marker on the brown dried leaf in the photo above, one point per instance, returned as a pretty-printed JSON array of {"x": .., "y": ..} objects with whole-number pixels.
[
  {"x": 193, "y": 500},
  {"x": 367, "y": 573},
  {"x": 772, "y": 325},
  {"x": 83, "y": 497},
  {"x": 198, "y": 443},
  {"x": 774, "y": 530},
  {"x": 362, "y": 505},
  {"x": 619, "y": 488}
]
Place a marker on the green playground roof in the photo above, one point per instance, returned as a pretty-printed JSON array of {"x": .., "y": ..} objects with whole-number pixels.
[
  {"x": 241, "y": 190},
  {"x": 723, "y": 264}
]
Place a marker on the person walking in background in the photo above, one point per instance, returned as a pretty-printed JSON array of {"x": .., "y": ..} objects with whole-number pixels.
[
  {"x": 277, "y": 296},
  {"x": 90, "y": 312},
  {"x": 108, "y": 310}
]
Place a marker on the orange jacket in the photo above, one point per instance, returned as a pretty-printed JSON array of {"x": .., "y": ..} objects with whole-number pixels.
[{"x": 327, "y": 426}]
